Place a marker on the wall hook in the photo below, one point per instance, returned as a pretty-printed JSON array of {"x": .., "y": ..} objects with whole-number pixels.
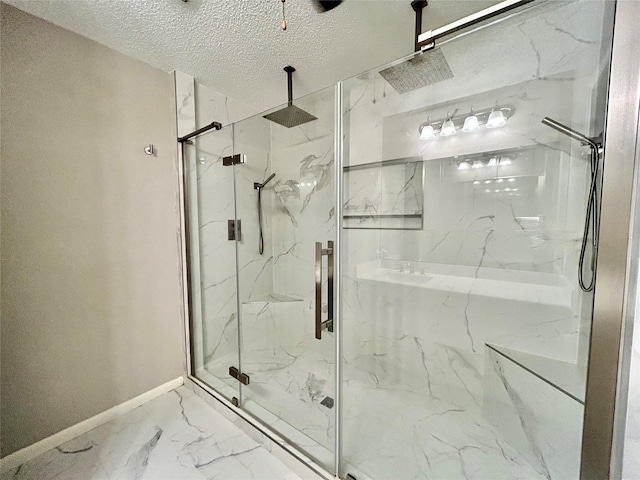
[{"x": 149, "y": 149}]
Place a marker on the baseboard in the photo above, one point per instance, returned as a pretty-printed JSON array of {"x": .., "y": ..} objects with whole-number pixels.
[{"x": 38, "y": 448}]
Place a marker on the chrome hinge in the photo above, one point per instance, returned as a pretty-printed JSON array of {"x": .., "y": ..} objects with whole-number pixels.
[
  {"x": 234, "y": 230},
  {"x": 233, "y": 159},
  {"x": 243, "y": 378}
]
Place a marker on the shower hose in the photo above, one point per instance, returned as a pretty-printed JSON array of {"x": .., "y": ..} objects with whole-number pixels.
[
  {"x": 260, "y": 236},
  {"x": 591, "y": 223}
]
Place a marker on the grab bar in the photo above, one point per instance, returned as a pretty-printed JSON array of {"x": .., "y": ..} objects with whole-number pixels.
[{"x": 328, "y": 323}]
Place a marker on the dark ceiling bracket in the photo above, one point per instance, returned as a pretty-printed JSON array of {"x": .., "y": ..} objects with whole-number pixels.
[{"x": 417, "y": 6}]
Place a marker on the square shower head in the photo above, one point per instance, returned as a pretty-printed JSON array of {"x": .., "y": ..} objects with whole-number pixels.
[
  {"x": 419, "y": 71},
  {"x": 290, "y": 116}
]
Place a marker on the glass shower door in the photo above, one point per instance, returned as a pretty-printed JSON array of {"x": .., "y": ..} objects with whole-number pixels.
[
  {"x": 285, "y": 197},
  {"x": 210, "y": 206},
  {"x": 465, "y": 331}
]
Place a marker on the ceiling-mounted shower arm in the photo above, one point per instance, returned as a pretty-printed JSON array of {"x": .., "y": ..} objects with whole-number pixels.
[
  {"x": 289, "y": 69},
  {"x": 427, "y": 39},
  {"x": 417, "y": 6}
]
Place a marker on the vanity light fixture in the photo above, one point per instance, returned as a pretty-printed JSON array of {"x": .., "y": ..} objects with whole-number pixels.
[
  {"x": 471, "y": 123},
  {"x": 490, "y": 117},
  {"x": 496, "y": 119},
  {"x": 426, "y": 130},
  {"x": 448, "y": 128}
]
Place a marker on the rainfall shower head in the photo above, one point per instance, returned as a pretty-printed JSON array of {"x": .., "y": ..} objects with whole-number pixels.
[
  {"x": 419, "y": 71},
  {"x": 290, "y": 116}
]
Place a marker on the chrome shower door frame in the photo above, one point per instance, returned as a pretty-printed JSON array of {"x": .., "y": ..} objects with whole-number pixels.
[{"x": 614, "y": 297}]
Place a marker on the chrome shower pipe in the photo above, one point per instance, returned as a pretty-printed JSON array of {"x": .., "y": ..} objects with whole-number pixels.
[{"x": 592, "y": 215}]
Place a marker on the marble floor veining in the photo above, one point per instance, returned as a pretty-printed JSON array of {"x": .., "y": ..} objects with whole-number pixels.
[
  {"x": 389, "y": 432},
  {"x": 176, "y": 436}
]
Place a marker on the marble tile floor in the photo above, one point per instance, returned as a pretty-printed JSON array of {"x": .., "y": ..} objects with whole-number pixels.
[
  {"x": 176, "y": 436},
  {"x": 389, "y": 433}
]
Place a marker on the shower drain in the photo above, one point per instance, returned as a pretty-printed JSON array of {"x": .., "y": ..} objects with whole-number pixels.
[{"x": 327, "y": 402}]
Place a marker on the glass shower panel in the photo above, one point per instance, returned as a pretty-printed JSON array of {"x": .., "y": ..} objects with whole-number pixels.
[
  {"x": 291, "y": 171},
  {"x": 465, "y": 333},
  {"x": 210, "y": 207}
]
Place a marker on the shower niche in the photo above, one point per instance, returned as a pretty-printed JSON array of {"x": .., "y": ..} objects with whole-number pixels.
[
  {"x": 461, "y": 334},
  {"x": 385, "y": 195}
]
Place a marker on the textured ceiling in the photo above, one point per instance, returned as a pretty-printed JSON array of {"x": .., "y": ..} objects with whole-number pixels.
[{"x": 237, "y": 46}]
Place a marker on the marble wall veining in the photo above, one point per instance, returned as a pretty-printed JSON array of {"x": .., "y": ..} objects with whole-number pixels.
[
  {"x": 267, "y": 307},
  {"x": 496, "y": 259},
  {"x": 438, "y": 261}
]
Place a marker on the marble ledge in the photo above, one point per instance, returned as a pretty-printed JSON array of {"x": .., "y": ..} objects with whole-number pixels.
[{"x": 568, "y": 378}]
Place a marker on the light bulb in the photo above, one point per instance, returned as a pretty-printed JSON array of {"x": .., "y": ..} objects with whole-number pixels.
[
  {"x": 470, "y": 124},
  {"x": 506, "y": 161},
  {"x": 448, "y": 128},
  {"x": 426, "y": 132},
  {"x": 496, "y": 119},
  {"x": 464, "y": 165},
  {"x": 477, "y": 164},
  {"x": 493, "y": 161}
]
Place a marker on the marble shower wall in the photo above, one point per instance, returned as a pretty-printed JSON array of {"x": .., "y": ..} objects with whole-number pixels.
[
  {"x": 496, "y": 259},
  {"x": 211, "y": 203},
  {"x": 526, "y": 216}
]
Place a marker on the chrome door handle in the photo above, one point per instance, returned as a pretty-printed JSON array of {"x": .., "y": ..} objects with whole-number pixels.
[{"x": 328, "y": 323}]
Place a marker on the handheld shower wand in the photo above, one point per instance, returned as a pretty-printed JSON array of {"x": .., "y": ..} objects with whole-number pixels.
[
  {"x": 259, "y": 187},
  {"x": 592, "y": 216}
]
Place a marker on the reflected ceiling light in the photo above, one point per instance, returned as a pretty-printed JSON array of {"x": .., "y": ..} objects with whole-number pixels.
[
  {"x": 464, "y": 164},
  {"x": 476, "y": 182},
  {"x": 496, "y": 119},
  {"x": 500, "y": 180},
  {"x": 511, "y": 180},
  {"x": 471, "y": 123}
]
